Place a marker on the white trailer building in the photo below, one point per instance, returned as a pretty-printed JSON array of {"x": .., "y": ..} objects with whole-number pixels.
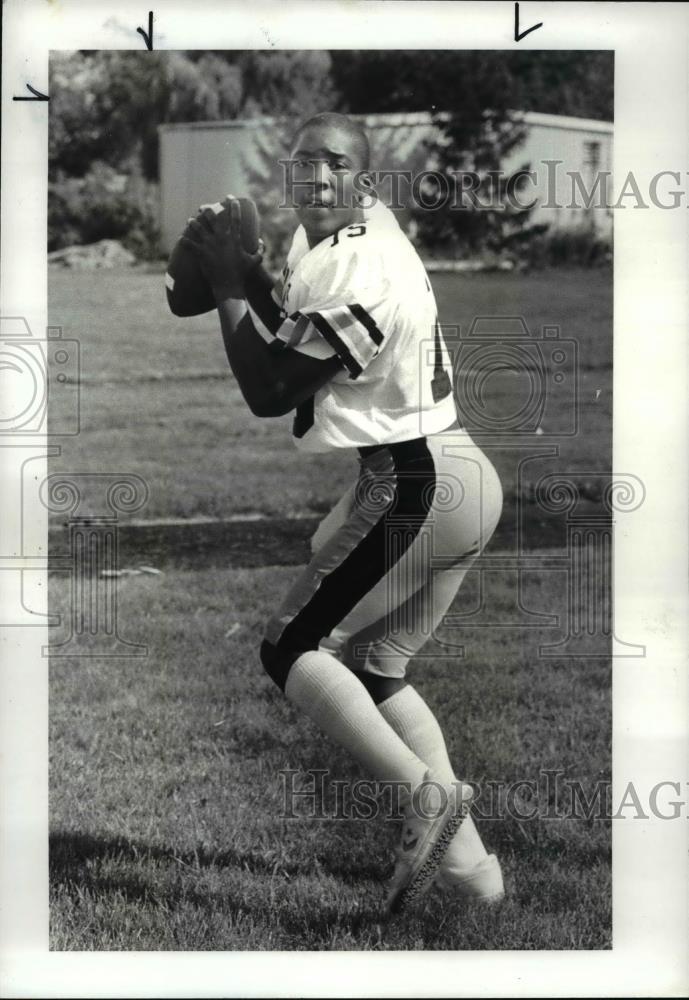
[{"x": 203, "y": 161}]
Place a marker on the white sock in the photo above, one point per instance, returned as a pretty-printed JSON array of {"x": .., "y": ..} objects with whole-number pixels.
[
  {"x": 329, "y": 693},
  {"x": 414, "y": 722}
]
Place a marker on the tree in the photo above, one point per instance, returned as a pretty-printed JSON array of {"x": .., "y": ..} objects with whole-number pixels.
[
  {"x": 580, "y": 84},
  {"x": 107, "y": 106},
  {"x": 285, "y": 83},
  {"x": 556, "y": 82}
]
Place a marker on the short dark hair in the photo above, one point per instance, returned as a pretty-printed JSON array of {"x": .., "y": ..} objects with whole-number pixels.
[{"x": 352, "y": 129}]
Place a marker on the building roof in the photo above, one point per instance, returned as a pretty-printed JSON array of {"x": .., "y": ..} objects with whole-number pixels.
[{"x": 402, "y": 119}]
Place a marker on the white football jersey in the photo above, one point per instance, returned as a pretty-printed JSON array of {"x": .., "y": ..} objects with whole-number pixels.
[{"x": 364, "y": 295}]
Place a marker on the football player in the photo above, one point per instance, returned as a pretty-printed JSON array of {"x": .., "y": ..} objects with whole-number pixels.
[{"x": 349, "y": 339}]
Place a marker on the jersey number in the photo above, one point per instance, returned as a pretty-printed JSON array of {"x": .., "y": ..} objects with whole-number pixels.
[{"x": 352, "y": 231}]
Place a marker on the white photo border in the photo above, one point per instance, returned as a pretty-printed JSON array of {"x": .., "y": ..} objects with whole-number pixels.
[{"x": 651, "y": 702}]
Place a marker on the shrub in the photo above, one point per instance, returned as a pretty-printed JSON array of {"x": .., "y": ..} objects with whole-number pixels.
[
  {"x": 535, "y": 246},
  {"x": 104, "y": 204},
  {"x": 582, "y": 246}
]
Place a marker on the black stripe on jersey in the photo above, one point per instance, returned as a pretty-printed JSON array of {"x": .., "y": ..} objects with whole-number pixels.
[
  {"x": 338, "y": 345},
  {"x": 373, "y": 557},
  {"x": 367, "y": 321}
]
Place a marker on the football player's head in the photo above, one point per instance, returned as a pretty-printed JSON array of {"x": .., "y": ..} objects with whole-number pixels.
[{"x": 329, "y": 161}]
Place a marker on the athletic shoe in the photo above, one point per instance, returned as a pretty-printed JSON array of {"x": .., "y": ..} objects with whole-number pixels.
[
  {"x": 432, "y": 817},
  {"x": 482, "y": 882}
]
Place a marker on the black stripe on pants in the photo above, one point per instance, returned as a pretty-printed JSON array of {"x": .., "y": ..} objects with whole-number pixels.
[{"x": 367, "y": 564}]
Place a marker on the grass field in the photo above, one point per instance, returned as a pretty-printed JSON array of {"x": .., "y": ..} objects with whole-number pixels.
[
  {"x": 166, "y": 797},
  {"x": 166, "y": 825}
]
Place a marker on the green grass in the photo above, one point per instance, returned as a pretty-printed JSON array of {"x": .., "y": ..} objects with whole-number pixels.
[
  {"x": 158, "y": 399},
  {"x": 166, "y": 798}
]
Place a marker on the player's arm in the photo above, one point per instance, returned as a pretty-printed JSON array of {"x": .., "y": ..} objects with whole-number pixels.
[
  {"x": 258, "y": 288},
  {"x": 273, "y": 378}
]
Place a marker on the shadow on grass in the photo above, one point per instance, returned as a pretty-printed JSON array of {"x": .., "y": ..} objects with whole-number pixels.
[
  {"x": 76, "y": 862},
  {"x": 267, "y": 894},
  {"x": 526, "y": 843},
  {"x": 70, "y": 853}
]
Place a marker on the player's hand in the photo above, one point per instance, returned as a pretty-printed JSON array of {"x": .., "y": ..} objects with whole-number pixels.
[{"x": 215, "y": 238}]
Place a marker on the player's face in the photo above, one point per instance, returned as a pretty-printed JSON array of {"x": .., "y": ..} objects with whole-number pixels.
[{"x": 325, "y": 162}]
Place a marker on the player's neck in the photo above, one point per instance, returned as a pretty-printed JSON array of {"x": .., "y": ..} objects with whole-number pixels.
[{"x": 314, "y": 239}]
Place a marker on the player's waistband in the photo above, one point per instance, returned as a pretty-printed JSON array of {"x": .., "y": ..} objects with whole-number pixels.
[{"x": 401, "y": 451}]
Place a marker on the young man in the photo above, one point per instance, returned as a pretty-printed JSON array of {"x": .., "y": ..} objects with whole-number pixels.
[{"x": 349, "y": 339}]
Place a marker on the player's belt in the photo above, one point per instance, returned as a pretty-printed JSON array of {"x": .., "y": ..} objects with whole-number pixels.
[{"x": 401, "y": 450}]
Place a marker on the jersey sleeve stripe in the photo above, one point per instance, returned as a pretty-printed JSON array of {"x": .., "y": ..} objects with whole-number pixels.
[
  {"x": 349, "y": 332},
  {"x": 335, "y": 341},
  {"x": 292, "y": 329},
  {"x": 366, "y": 321},
  {"x": 352, "y": 334}
]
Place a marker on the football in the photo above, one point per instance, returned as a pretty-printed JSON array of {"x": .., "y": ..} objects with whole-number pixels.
[{"x": 188, "y": 292}]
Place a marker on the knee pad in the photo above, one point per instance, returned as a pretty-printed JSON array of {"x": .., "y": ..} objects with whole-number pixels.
[{"x": 380, "y": 688}]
